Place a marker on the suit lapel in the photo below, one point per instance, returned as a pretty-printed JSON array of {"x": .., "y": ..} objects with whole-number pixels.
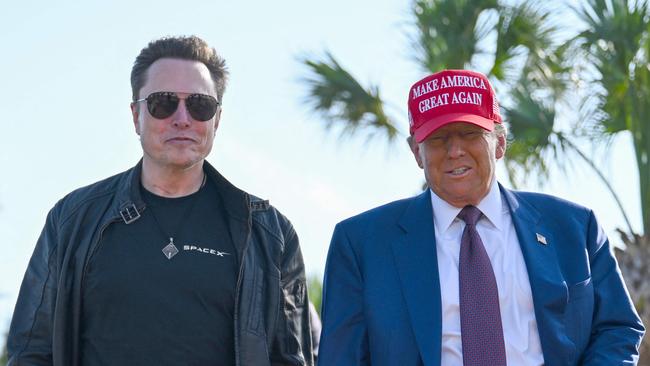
[
  {"x": 417, "y": 265},
  {"x": 549, "y": 289}
]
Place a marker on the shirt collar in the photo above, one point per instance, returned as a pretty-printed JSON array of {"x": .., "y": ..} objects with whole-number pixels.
[{"x": 491, "y": 207}]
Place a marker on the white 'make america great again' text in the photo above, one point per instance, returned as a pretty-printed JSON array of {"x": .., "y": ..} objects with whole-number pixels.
[{"x": 447, "y": 82}]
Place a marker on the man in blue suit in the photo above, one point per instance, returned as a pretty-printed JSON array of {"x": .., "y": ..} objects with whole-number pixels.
[{"x": 468, "y": 272}]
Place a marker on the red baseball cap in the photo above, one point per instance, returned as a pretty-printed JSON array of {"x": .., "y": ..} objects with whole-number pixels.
[{"x": 451, "y": 96}]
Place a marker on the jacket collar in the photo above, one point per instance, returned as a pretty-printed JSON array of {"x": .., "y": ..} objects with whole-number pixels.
[
  {"x": 491, "y": 206},
  {"x": 128, "y": 196},
  {"x": 237, "y": 203}
]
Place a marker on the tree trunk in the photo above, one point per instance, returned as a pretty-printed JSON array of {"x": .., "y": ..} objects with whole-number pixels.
[{"x": 634, "y": 266}]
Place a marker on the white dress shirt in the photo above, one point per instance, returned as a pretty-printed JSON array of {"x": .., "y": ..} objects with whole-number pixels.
[{"x": 515, "y": 297}]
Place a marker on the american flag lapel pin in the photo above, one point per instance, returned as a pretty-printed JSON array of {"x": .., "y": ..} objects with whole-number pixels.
[{"x": 541, "y": 239}]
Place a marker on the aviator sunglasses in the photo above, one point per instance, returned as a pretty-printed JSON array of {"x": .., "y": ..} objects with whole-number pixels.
[{"x": 163, "y": 104}]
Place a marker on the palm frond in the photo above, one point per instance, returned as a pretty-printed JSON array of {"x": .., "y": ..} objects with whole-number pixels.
[
  {"x": 531, "y": 122},
  {"x": 341, "y": 100},
  {"x": 448, "y": 32},
  {"x": 614, "y": 29},
  {"x": 614, "y": 37},
  {"x": 526, "y": 42}
]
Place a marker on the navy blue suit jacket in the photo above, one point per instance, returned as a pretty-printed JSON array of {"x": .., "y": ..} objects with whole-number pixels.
[{"x": 381, "y": 297}]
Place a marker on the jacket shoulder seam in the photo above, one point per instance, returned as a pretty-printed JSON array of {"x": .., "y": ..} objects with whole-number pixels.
[
  {"x": 267, "y": 227},
  {"x": 78, "y": 205}
]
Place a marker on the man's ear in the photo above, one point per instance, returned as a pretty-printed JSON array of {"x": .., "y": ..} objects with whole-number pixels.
[
  {"x": 501, "y": 146},
  {"x": 415, "y": 149},
  {"x": 217, "y": 119},
  {"x": 136, "y": 117}
]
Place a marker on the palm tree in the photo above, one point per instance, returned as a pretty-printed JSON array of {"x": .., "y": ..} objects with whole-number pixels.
[
  {"x": 535, "y": 70},
  {"x": 616, "y": 47}
]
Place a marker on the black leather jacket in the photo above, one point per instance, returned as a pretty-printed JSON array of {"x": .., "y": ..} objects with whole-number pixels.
[{"x": 271, "y": 307}]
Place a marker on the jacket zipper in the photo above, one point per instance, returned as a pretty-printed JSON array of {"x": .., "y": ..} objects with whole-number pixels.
[
  {"x": 76, "y": 359},
  {"x": 94, "y": 246},
  {"x": 238, "y": 289}
]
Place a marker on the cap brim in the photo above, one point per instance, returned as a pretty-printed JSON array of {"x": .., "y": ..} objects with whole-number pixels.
[{"x": 432, "y": 125}]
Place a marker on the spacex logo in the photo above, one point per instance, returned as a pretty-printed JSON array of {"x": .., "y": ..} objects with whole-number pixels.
[{"x": 194, "y": 248}]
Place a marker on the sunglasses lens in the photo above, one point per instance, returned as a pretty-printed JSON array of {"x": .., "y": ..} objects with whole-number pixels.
[
  {"x": 201, "y": 107},
  {"x": 162, "y": 105}
]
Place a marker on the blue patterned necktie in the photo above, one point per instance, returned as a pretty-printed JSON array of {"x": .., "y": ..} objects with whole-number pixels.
[{"x": 480, "y": 318}]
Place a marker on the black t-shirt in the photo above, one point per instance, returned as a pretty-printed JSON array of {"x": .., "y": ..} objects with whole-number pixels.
[{"x": 142, "y": 308}]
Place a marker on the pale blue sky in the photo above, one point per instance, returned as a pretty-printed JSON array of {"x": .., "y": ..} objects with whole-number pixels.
[{"x": 64, "y": 97}]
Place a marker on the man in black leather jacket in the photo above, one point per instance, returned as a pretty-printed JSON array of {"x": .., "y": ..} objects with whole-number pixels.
[{"x": 166, "y": 263}]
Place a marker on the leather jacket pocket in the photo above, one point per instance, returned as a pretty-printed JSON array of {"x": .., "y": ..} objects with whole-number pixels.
[
  {"x": 295, "y": 308},
  {"x": 254, "y": 323},
  {"x": 295, "y": 295}
]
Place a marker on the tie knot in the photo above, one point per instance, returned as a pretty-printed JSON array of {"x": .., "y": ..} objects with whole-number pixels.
[{"x": 470, "y": 214}]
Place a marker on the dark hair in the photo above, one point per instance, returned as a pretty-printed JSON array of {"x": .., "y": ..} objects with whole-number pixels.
[{"x": 190, "y": 48}]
